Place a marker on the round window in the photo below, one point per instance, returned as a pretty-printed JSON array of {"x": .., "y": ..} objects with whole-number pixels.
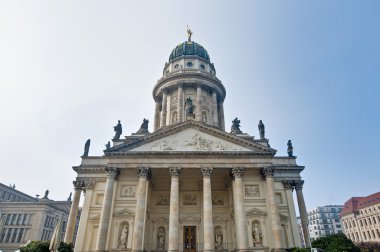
[
  {"x": 203, "y": 67},
  {"x": 189, "y": 64}
]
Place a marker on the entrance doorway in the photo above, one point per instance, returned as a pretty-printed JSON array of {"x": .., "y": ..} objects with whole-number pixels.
[{"x": 189, "y": 239}]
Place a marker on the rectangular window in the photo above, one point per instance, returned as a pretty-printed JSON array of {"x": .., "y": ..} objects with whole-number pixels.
[
  {"x": 14, "y": 235},
  {"x": 9, "y": 217},
  {"x": 20, "y": 235},
  {"x": 338, "y": 226},
  {"x": 14, "y": 218},
  {"x": 19, "y": 218},
  {"x": 3, "y": 234},
  {"x": 8, "y": 235}
]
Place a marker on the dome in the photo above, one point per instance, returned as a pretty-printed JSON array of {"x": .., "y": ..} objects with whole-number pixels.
[{"x": 190, "y": 48}]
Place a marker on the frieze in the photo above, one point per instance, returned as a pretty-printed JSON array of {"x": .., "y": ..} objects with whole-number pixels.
[
  {"x": 127, "y": 191},
  {"x": 252, "y": 191},
  {"x": 190, "y": 200}
]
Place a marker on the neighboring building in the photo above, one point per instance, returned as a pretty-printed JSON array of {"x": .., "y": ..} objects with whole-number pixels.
[
  {"x": 190, "y": 185},
  {"x": 361, "y": 218},
  {"x": 324, "y": 220},
  {"x": 28, "y": 218}
]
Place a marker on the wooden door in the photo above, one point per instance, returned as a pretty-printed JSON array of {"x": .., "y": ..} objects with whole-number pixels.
[{"x": 189, "y": 239}]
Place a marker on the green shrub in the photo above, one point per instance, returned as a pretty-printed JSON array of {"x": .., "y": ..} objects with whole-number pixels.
[
  {"x": 335, "y": 243},
  {"x": 298, "y": 250},
  {"x": 43, "y": 246}
]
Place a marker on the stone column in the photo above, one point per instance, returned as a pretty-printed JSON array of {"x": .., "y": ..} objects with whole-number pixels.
[
  {"x": 214, "y": 109},
  {"x": 288, "y": 186},
  {"x": 164, "y": 108},
  {"x": 180, "y": 103},
  {"x": 198, "y": 105},
  {"x": 208, "y": 226},
  {"x": 240, "y": 217},
  {"x": 221, "y": 116},
  {"x": 88, "y": 189},
  {"x": 138, "y": 229},
  {"x": 273, "y": 208},
  {"x": 302, "y": 209},
  {"x": 106, "y": 209},
  {"x": 157, "y": 114},
  {"x": 174, "y": 210},
  {"x": 69, "y": 235}
]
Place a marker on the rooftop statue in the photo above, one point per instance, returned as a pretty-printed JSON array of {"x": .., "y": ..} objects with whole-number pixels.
[
  {"x": 118, "y": 130},
  {"x": 261, "y": 130},
  {"x": 290, "y": 148},
  {"x": 69, "y": 198},
  {"x": 235, "y": 128},
  {"x": 108, "y": 145},
  {"x": 189, "y": 33},
  {"x": 144, "y": 127},
  {"x": 86, "y": 148},
  {"x": 46, "y": 194}
]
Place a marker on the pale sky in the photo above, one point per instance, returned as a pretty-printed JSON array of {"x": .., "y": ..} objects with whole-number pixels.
[{"x": 309, "y": 69}]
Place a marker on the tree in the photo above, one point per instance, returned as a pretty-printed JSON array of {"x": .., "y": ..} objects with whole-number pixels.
[
  {"x": 369, "y": 246},
  {"x": 43, "y": 246},
  {"x": 335, "y": 243}
]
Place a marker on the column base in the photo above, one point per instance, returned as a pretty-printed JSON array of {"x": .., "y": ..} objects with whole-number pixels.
[
  {"x": 254, "y": 249},
  {"x": 278, "y": 250}
]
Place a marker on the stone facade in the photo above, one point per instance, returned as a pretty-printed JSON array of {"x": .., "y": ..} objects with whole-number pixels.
[
  {"x": 28, "y": 218},
  {"x": 361, "y": 218},
  {"x": 189, "y": 186}
]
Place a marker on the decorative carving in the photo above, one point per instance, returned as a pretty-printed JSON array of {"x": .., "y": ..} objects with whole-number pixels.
[
  {"x": 257, "y": 235},
  {"x": 288, "y": 184},
  {"x": 175, "y": 171},
  {"x": 261, "y": 130},
  {"x": 163, "y": 146},
  {"x": 143, "y": 128},
  {"x": 252, "y": 191},
  {"x": 89, "y": 184},
  {"x": 123, "y": 237},
  {"x": 112, "y": 172},
  {"x": 235, "y": 128},
  {"x": 206, "y": 171},
  {"x": 78, "y": 184},
  {"x": 161, "y": 238},
  {"x": 118, "y": 130},
  {"x": 267, "y": 171},
  {"x": 298, "y": 184},
  {"x": 217, "y": 200},
  {"x": 127, "y": 191},
  {"x": 218, "y": 238},
  {"x": 290, "y": 148},
  {"x": 108, "y": 145},
  {"x": 190, "y": 200},
  {"x": 237, "y": 172},
  {"x": 144, "y": 172},
  {"x": 163, "y": 201},
  {"x": 86, "y": 148}
]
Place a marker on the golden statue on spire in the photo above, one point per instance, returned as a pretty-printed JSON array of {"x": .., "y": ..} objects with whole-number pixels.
[{"x": 189, "y": 33}]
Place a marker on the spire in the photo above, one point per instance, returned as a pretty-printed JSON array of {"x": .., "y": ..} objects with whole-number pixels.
[{"x": 189, "y": 33}]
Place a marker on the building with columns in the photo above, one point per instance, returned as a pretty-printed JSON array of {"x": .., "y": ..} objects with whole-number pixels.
[{"x": 189, "y": 185}]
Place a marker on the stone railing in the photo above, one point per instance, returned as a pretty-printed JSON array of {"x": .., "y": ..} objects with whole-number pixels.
[{"x": 188, "y": 71}]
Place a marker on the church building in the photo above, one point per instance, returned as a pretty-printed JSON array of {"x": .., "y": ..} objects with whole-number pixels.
[{"x": 189, "y": 185}]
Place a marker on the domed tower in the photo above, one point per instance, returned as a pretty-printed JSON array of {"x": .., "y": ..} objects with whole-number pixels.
[{"x": 189, "y": 88}]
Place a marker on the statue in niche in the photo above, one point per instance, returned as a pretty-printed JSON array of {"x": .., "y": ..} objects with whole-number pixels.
[
  {"x": 161, "y": 238},
  {"x": 218, "y": 238},
  {"x": 189, "y": 107},
  {"x": 86, "y": 148},
  {"x": 118, "y": 130},
  {"x": 257, "y": 235},
  {"x": 123, "y": 237},
  {"x": 261, "y": 130},
  {"x": 235, "y": 128},
  {"x": 290, "y": 148}
]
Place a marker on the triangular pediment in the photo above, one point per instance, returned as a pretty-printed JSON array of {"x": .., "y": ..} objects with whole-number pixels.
[
  {"x": 255, "y": 212},
  {"x": 124, "y": 212},
  {"x": 190, "y": 137}
]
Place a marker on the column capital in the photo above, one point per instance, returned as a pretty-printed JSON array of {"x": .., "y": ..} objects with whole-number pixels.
[
  {"x": 237, "y": 172},
  {"x": 298, "y": 184},
  {"x": 175, "y": 171},
  {"x": 144, "y": 172},
  {"x": 88, "y": 184},
  {"x": 206, "y": 171},
  {"x": 78, "y": 185},
  {"x": 112, "y": 172},
  {"x": 288, "y": 184},
  {"x": 268, "y": 171}
]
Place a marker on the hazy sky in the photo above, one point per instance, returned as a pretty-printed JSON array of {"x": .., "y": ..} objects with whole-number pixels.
[{"x": 309, "y": 69}]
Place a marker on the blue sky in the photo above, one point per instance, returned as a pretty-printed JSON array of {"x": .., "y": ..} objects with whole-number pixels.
[{"x": 309, "y": 69}]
